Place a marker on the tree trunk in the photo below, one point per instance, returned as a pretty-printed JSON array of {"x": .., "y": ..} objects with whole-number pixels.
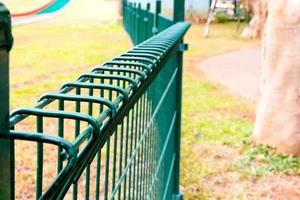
[
  {"x": 278, "y": 113},
  {"x": 257, "y": 23},
  {"x": 120, "y": 14}
]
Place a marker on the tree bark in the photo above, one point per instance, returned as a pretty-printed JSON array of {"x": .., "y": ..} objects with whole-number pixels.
[
  {"x": 278, "y": 113},
  {"x": 257, "y": 23},
  {"x": 120, "y": 14}
]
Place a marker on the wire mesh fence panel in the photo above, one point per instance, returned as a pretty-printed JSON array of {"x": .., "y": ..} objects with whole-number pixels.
[{"x": 111, "y": 134}]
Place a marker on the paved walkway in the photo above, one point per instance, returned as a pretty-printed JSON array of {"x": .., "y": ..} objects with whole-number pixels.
[{"x": 239, "y": 71}]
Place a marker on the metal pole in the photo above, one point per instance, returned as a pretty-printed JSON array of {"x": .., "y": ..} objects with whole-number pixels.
[
  {"x": 6, "y": 145},
  {"x": 179, "y": 11},
  {"x": 134, "y": 23},
  {"x": 147, "y": 30},
  {"x": 156, "y": 16},
  {"x": 138, "y": 24},
  {"x": 210, "y": 17},
  {"x": 123, "y": 14}
]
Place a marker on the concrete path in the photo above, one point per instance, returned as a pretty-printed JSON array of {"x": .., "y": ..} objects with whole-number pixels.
[{"x": 239, "y": 71}]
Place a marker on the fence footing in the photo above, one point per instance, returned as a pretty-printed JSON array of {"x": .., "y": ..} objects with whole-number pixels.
[{"x": 178, "y": 196}]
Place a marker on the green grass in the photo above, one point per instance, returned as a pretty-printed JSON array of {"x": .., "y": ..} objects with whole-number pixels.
[
  {"x": 266, "y": 161},
  {"x": 45, "y": 55},
  {"x": 222, "y": 37}
]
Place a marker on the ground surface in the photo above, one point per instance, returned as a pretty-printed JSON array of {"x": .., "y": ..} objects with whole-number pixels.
[
  {"x": 238, "y": 70},
  {"x": 218, "y": 161},
  {"x": 42, "y": 53}
]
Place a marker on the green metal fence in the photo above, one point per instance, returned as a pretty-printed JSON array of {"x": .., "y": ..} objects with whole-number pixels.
[
  {"x": 142, "y": 24},
  {"x": 114, "y": 133}
]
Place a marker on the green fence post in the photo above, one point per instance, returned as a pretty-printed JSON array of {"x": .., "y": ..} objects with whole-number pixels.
[
  {"x": 147, "y": 21},
  {"x": 138, "y": 24},
  {"x": 134, "y": 22},
  {"x": 6, "y": 146},
  {"x": 178, "y": 11},
  {"x": 124, "y": 13},
  {"x": 177, "y": 17},
  {"x": 156, "y": 16},
  {"x": 131, "y": 13},
  {"x": 130, "y": 24}
]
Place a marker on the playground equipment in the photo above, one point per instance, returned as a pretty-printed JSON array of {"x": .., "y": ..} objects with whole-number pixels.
[
  {"x": 45, "y": 11},
  {"x": 230, "y": 7},
  {"x": 50, "y": 7},
  {"x": 131, "y": 124}
]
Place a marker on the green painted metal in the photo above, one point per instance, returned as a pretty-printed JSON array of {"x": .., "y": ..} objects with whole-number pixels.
[
  {"x": 7, "y": 150},
  {"x": 179, "y": 12},
  {"x": 124, "y": 141},
  {"x": 156, "y": 17},
  {"x": 142, "y": 24}
]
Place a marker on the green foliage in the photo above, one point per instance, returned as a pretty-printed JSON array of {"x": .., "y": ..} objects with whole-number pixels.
[
  {"x": 261, "y": 160},
  {"x": 226, "y": 130},
  {"x": 221, "y": 17},
  {"x": 245, "y": 15}
]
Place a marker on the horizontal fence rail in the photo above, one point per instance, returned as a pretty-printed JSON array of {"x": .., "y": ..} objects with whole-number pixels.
[{"x": 110, "y": 134}]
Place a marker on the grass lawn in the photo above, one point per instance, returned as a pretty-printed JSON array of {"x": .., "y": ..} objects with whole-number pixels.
[
  {"x": 39, "y": 64},
  {"x": 218, "y": 160}
]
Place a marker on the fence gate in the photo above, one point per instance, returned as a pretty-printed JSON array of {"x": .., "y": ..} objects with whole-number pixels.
[{"x": 114, "y": 133}]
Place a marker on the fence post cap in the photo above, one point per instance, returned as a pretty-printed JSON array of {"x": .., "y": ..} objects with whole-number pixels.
[{"x": 6, "y": 38}]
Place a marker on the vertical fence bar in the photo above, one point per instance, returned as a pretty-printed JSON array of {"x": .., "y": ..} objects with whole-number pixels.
[
  {"x": 178, "y": 16},
  {"x": 156, "y": 16},
  {"x": 124, "y": 4},
  {"x": 40, "y": 160},
  {"x": 6, "y": 146},
  {"x": 134, "y": 13},
  {"x": 146, "y": 21},
  {"x": 88, "y": 167},
  {"x": 77, "y": 132},
  {"x": 138, "y": 24},
  {"x": 132, "y": 17},
  {"x": 60, "y": 134}
]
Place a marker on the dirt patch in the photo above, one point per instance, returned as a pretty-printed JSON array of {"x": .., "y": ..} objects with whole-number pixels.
[
  {"x": 277, "y": 187},
  {"x": 43, "y": 78},
  {"x": 223, "y": 181}
]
